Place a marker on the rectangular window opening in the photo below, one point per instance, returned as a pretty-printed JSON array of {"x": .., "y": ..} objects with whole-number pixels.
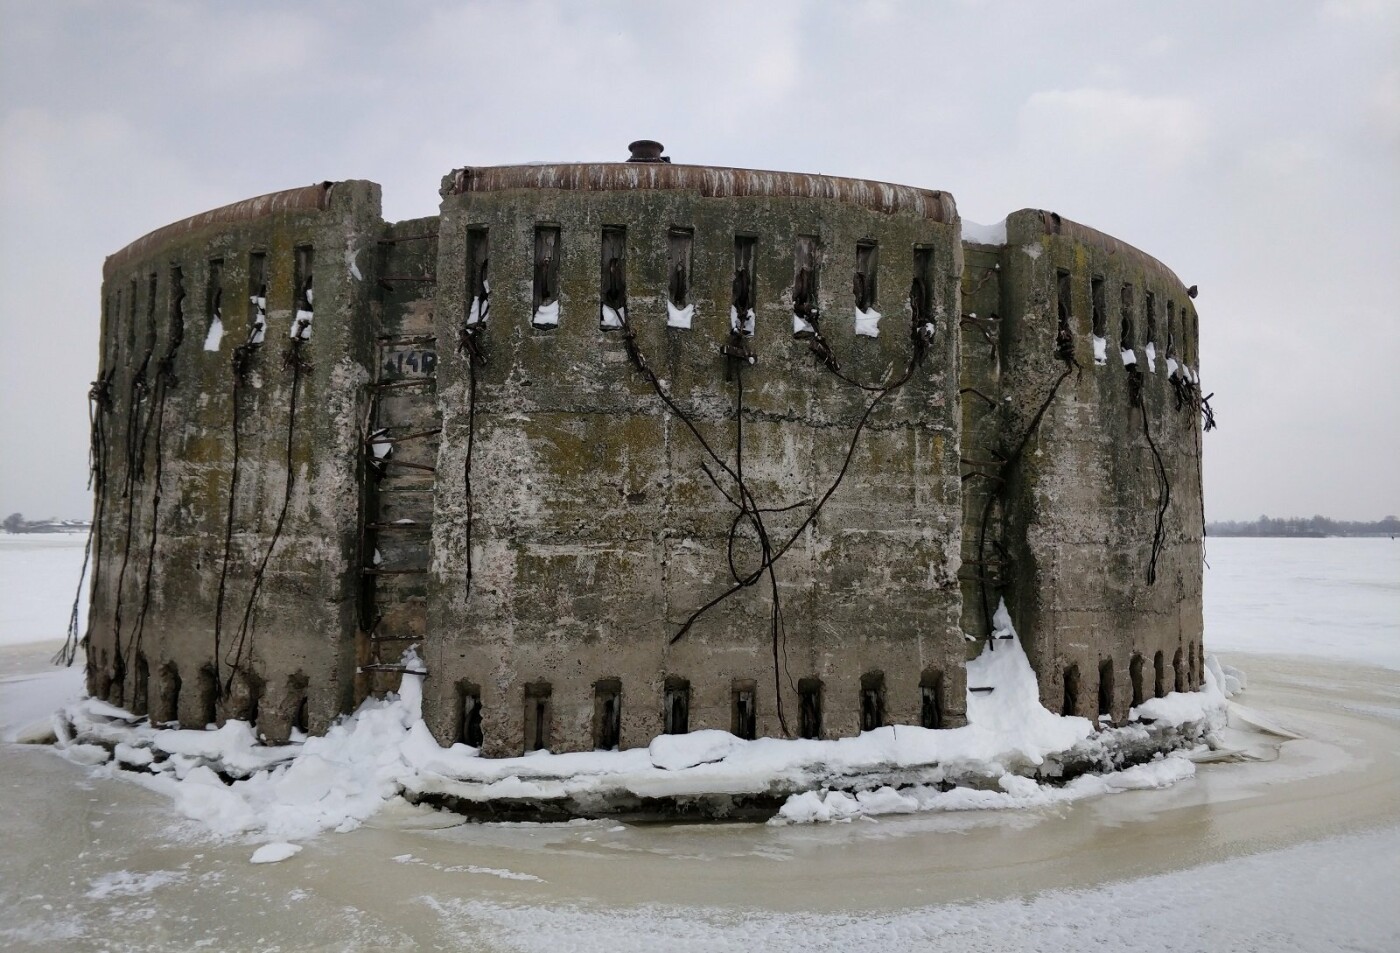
[
  {"x": 140, "y": 693},
  {"x": 302, "y": 271},
  {"x": 1070, "y": 690},
  {"x": 921, "y": 287},
  {"x": 931, "y": 699},
  {"x": 612, "y": 279},
  {"x": 1106, "y": 687},
  {"x": 1151, "y": 306},
  {"x": 1135, "y": 676},
  {"x": 152, "y": 288},
  {"x": 257, "y": 297},
  {"x": 804, "y": 286},
  {"x": 1064, "y": 310},
  {"x": 478, "y": 282},
  {"x": 214, "y": 305},
  {"x": 537, "y": 715},
  {"x": 675, "y": 702},
  {"x": 872, "y": 701},
  {"x": 1096, "y": 288},
  {"x": 745, "y": 709},
  {"x": 744, "y": 289},
  {"x": 469, "y": 714},
  {"x": 864, "y": 284},
  {"x": 169, "y": 693},
  {"x": 1171, "y": 328},
  {"x": 208, "y": 697},
  {"x": 809, "y": 707},
  {"x": 1126, "y": 329},
  {"x": 1159, "y": 676},
  {"x": 607, "y": 714},
  {"x": 545, "y": 312},
  {"x": 1179, "y": 670}
]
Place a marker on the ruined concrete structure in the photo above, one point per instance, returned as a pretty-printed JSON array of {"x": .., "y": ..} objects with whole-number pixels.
[{"x": 631, "y": 448}]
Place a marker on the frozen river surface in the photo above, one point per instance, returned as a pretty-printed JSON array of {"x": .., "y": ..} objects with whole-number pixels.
[{"x": 1299, "y": 850}]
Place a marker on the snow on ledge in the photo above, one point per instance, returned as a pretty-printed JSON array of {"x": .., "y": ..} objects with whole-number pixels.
[{"x": 1012, "y": 753}]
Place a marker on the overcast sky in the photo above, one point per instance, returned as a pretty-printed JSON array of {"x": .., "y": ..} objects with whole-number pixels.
[{"x": 1254, "y": 147}]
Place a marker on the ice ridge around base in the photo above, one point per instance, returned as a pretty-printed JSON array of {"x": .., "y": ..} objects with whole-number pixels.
[{"x": 235, "y": 786}]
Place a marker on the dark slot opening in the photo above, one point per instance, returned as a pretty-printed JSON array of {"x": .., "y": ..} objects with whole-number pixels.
[
  {"x": 921, "y": 287},
  {"x": 116, "y": 694},
  {"x": 478, "y": 282},
  {"x": 1126, "y": 326},
  {"x": 177, "y": 310},
  {"x": 1135, "y": 676},
  {"x": 1159, "y": 675},
  {"x": 1070, "y": 689},
  {"x": 130, "y": 317},
  {"x": 469, "y": 715},
  {"x": 872, "y": 700},
  {"x": 1151, "y": 305},
  {"x": 140, "y": 691},
  {"x": 613, "y": 276},
  {"x": 679, "y": 243},
  {"x": 745, "y": 714},
  {"x": 214, "y": 292},
  {"x": 1064, "y": 334},
  {"x": 804, "y": 285},
  {"x": 1100, "y": 307},
  {"x": 208, "y": 697},
  {"x": 809, "y": 707},
  {"x": 676, "y": 705},
  {"x": 537, "y": 715},
  {"x": 297, "y": 700},
  {"x": 546, "y": 293},
  {"x": 863, "y": 285},
  {"x": 745, "y": 290},
  {"x": 1171, "y": 328},
  {"x": 1106, "y": 687},
  {"x": 931, "y": 699},
  {"x": 305, "y": 293},
  {"x": 607, "y": 714},
  {"x": 257, "y": 297},
  {"x": 1179, "y": 670},
  {"x": 170, "y": 692}
]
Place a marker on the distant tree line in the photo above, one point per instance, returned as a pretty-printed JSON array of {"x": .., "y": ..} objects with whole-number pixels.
[
  {"x": 1304, "y": 526},
  {"x": 16, "y": 523}
]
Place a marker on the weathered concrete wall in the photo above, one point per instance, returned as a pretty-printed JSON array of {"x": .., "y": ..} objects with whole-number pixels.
[
  {"x": 595, "y": 532},
  {"x": 1009, "y": 463},
  {"x": 1081, "y": 499},
  {"x": 168, "y": 461}
]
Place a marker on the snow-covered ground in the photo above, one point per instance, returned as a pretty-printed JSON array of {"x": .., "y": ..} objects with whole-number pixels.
[
  {"x": 38, "y": 579},
  {"x": 1236, "y": 857}
]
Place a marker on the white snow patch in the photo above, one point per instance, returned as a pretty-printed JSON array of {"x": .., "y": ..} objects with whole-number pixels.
[
  {"x": 215, "y": 335},
  {"x": 868, "y": 322},
  {"x": 233, "y": 785},
  {"x": 301, "y": 324},
  {"x": 546, "y": 315},
  {"x": 801, "y": 325},
  {"x": 1151, "y": 351},
  {"x": 984, "y": 234},
  {"x": 1172, "y": 367},
  {"x": 274, "y": 853},
  {"x": 478, "y": 312},
  {"x": 611, "y": 319},
  {"x": 743, "y": 327},
  {"x": 1129, "y": 356},
  {"x": 679, "y": 317},
  {"x": 1100, "y": 350}
]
